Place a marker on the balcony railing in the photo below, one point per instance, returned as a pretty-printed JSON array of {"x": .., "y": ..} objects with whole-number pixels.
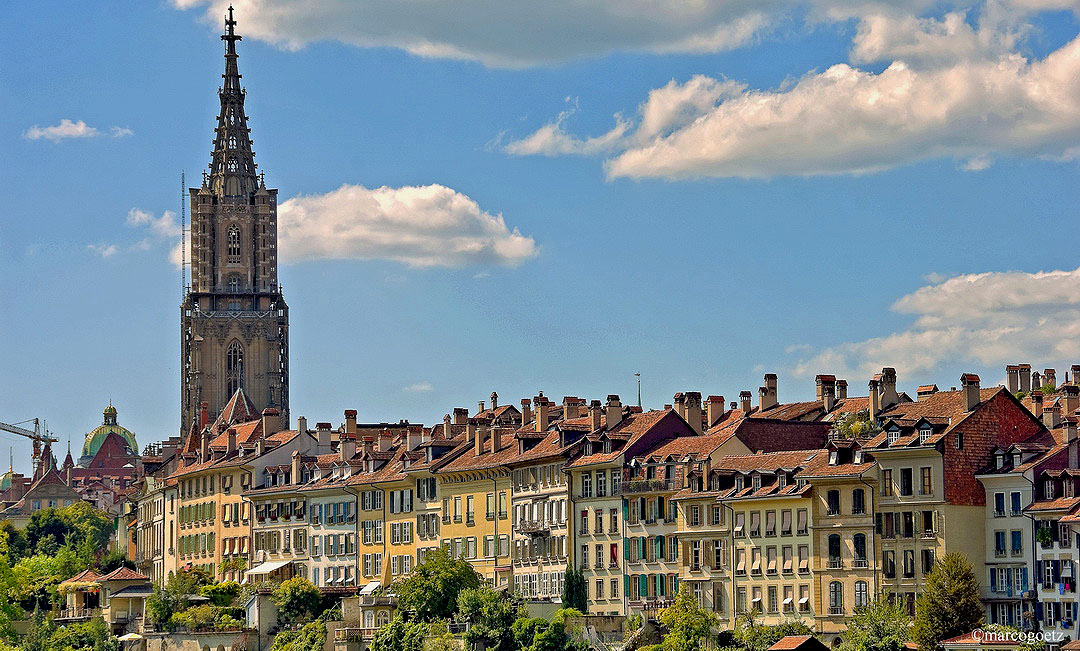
[
  {"x": 533, "y": 526},
  {"x": 860, "y": 563},
  {"x": 78, "y": 613},
  {"x": 836, "y": 610},
  {"x": 646, "y": 486},
  {"x": 835, "y": 564}
]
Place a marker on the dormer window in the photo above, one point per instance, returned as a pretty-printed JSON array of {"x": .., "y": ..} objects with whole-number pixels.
[
  {"x": 894, "y": 435},
  {"x": 756, "y": 481},
  {"x": 781, "y": 479},
  {"x": 833, "y": 457},
  {"x": 924, "y": 434},
  {"x": 999, "y": 461},
  {"x": 1016, "y": 459},
  {"x": 860, "y": 456},
  {"x": 740, "y": 482},
  {"x": 1048, "y": 489}
]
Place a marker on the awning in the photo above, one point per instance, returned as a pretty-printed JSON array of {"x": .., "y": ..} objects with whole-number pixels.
[
  {"x": 130, "y": 637},
  {"x": 787, "y": 601},
  {"x": 267, "y": 567},
  {"x": 804, "y": 600},
  {"x": 371, "y": 587}
]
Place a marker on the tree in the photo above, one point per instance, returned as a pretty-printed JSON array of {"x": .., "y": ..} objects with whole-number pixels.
[
  {"x": 112, "y": 560},
  {"x": 91, "y": 635},
  {"x": 538, "y": 634},
  {"x": 311, "y": 637},
  {"x": 399, "y": 635},
  {"x": 575, "y": 592},
  {"x": 174, "y": 596},
  {"x": 431, "y": 591},
  {"x": 84, "y": 528},
  {"x": 851, "y": 425},
  {"x": 297, "y": 599},
  {"x": 752, "y": 636},
  {"x": 221, "y": 594},
  {"x": 949, "y": 605},
  {"x": 491, "y": 617},
  {"x": 879, "y": 626},
  {"x": 687, "y": 622}
]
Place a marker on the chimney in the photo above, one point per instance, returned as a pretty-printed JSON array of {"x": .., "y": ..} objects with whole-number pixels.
[
  {"x": 841, "y": 389},
  {"x": 1070, "y": 440},
  {"x": 826, "y": 391},
  {"x": 1051, "y": 416},
  {"x": 386, "y": 439},
  {"x": 260, "y": 447},
  {"x": 889, "y": 397},
  {"x": 614, "y": 411},
  {"x": 301, "y": 425},
  {"x": 1025, "y": 377},
  {"x": 496, "y": 439},
  {"x": 875, "y": 397},
  {"x": 204, "y": 414},
  {"x": 714, "y": 409},
  {"x": 679, "y": 401},
  {"x": 1037, "y": 404},
  {"x": 368, "y": 444},
  {"x": 1050, "y": 377},
  {"x": 571, "y": 407},
  {"x": 296, "y": 474},
  {"x": 526, "y": 411},
  {"x": 322, "y": 431},
  {"x": 925, "y": 391},
  {"x": 744, "y": 402},
  {"x": 461, "y": 415},
  {"x": 481, "y": 434},
  {"x": 543, "y": 411},
  {"x": 271, "y": 421},
  {"x": 1076, "y": 373},
  {"x": 479, "y": 407},
  {"x": 692, "y": 407},
  {"x": 767, "y": 393},
  {"x": 595, "y": 411},
  {"x": 1036, "y": 381},
  {"x": 347, "y": 448},
  {"x": 1071, "y": 399},
  {"x": 494, "y": 401},
  {"x": 350, "y": 422},
  {"x": 204, "y": 447},
  {"x": 230, "y": 441},
  {"x": 969, "y": 382},
  {"x": 447, "y": 429},
  {"x": 1012, "y": 375},
  {"x": 414, "y": 436}
]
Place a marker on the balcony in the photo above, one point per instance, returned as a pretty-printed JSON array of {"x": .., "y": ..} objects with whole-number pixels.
[
  {"x": 927, "y": 534},
  {"x": 834, "y": 564},
  {"x": 77, "y": 614},
  {"x": 860, "y": 563},
  {"x": 534, "y": 527},
  {"x": 836, "y": 611},
  {"x": 645, "y": 486}
]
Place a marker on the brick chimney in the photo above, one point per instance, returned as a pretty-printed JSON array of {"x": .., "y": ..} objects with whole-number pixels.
[
  {"x": 271, "y": 421},
  {"x": 296, "y": 469},
  {"x": 350, "y": 422},
  {"x": 596, "y": 411},
  {"x": 461, "y": 415},
  {"x": 841, "y": 389},
  {"x": 494, "y": 401},
  {"x": 1051, "y": 416},
  {"x": 889, "y": 396},
  {"x": 714, "y": 409},
  {"x": 614, "y": 411},
  {"x": 322, "y": 432},
  {"x": 1075, "y": 373},
  {"x": 827, "y": 391},
  {"x": 1070, "y": 400},
  {"x": 679, "y": 403},
  {"x": 744, "y": 402},
  {"x": 368, "y": 444},
  {"x": 1012, "y": 377},
  {"x": 496, "y": 440},
  {"x": 1070, "y": 440},
  {"x": 447, "y": 430},
  {"x": 230, "y": 441},
  {"x": 1025, "y": 377},
  {"x": 1050, "y": 377},
  {"x": 969, "y": 383},
  {"x": 572, "y": 407},
  {"x": 386, "y": 439},
  {"x": 204, "y": 414},
  {"x": 1036, "y": 381},
  {"x": 526, "y": 411},
  {"x": 543, "y": 413},
  {"x": 692, "y": 406},
  {"x": 1037, "y": 404},
  {"x": 481, "y": 434},
  {"x": 875, "y": 396},
  {"x": 204, "y": 447},
  {"x": 767, "y": 394}
]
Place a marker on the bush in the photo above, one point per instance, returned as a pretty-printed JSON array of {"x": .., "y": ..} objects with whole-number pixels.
[
  {"x": 311, "y": 637},
  {"x": 221, "y": 594},
  {"x": 297, "y": 599}
]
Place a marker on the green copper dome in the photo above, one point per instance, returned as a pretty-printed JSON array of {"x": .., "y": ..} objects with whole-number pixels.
[
  {"x": 98, "y": 435},
  {"x": 5, "y": 480}
]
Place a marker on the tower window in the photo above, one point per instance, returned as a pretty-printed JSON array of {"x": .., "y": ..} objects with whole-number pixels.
[
  {"x": 233, "y": 244},
  {"x": 234, "y": 284},
  {"x": 234, "y": 367}
]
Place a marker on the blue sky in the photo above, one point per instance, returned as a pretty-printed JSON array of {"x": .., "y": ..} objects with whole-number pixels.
[{"x": 783, "y": 196}]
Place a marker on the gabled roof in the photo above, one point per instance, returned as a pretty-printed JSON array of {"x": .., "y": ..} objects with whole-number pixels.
[
  {"x": 86, "y": 576},
  {"x": 124, "y": 574}
]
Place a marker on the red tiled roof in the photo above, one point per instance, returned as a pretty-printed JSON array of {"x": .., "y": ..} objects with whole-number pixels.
[
  {"x": 84, "y": 576},
  {"x": 795, "y": 642},
  {"x": 124, "y": 574}
]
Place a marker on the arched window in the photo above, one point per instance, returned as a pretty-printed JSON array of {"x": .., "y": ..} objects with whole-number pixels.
[
  {"x": 234, "y": 367},
  {"x": 233, "y": 242},
  {"x": 383, "y": 617},
  {"x": 234, "y": 284},
  {"x": 836, "y": 598},
  {"x": 862, "y": 594}
]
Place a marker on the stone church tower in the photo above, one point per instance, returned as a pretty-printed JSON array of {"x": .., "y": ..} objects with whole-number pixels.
[{"x": 234, "y": 323}]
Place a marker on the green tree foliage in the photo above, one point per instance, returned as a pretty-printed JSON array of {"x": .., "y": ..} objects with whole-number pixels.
[
  {"x": 399, "y": 635},
  {"x": 221, "y": 594},
  {"x": 752, "y": 636},
  {"x": 80, "y": 525},
  {"x": 575, "y": 592},
  {"x": 113, "y": 559},
  {"x": 37, "y": 577},
  {"x": 949, "y": 605},
  {"x": 174, "y": 596},
  {"x": 311, "y": 637},
  {"x": 490, "y": 616},
  {"x": 688, "y": 624},
  {"x": 431, "y": 591},
  {"x": 91, "y": 635},
  {"x": 297, "y": 599},
  {"x": 439, "y": 637},
  {"x": 880, "y": 626},
  {"x": 538, "y": 634},
  {"x": 855, "y": 424}
]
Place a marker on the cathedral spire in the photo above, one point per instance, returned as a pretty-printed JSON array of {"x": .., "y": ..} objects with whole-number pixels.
[{"x": 232, "y": 164}]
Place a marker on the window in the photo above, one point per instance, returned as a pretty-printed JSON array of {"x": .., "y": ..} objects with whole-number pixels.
[
  {"x": 1017, "y": 542},
  {"x": 833, "y": 502},
  {"x": 858, "y": 501},
  {"x": 924, "y": 434},
  {"x": 836, "y": 598},
  {"x": 862, "y": 594},
  {"x": 909, "y": 563},
  {"x": 613, "y": 521},
  {"x": 599, "y": 589},
  {"x": 888, "y": 563},
  {"x": 586, "y": 484},
  {"x": 834, "y": 551},
  {"x": 1014, "y": 505},
  {"x": 928, "y": 561},
  {"x": 999, "y": 543},
  {"x": 886, "y": 482},
  {"x": 999, "y": 505},
  {"x": 894, "y": 435},
  {"x": 234, "y": 368},
  {"x": 859, "y": 543},
  {"x": 233, "y": 244},
  {"x": 601, "y": 483},
  {"x": 927, "y": 485},
  {"x": 234, "y": 284},
  {"x": 905, "y": 481}
]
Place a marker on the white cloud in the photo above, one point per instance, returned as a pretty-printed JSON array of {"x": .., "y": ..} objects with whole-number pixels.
[
  {"x": 164, "y": 227},
  {"x": 103, "y": 250},
  {"x": 505, "y": 34},
  {"x": 57, "y": 132},
  {"x": 421, "y": 226},
  {"x": 988, "y": 318},
  {"x": 419, "y": 387},
  {"x": 67, "y": 129}
]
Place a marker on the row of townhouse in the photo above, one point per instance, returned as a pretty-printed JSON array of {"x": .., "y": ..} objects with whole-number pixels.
[{"x": 765, "y": 507}]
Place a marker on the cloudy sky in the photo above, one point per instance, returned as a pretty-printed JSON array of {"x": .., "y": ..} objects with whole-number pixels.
[{"x": 518, "y": 197}]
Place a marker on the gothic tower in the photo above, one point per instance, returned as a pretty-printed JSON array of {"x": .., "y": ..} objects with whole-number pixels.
[{"x": 234, "y": 323}]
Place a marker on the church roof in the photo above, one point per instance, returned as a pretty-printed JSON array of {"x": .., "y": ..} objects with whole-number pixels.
[{"x": 109, "y": 425}]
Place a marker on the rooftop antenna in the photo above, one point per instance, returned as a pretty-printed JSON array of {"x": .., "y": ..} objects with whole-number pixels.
[
  {"x": 183, "y": 238},
  {"x": 638, "y": 376}
]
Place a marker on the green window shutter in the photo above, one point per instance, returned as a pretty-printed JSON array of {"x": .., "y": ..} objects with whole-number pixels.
[
  {"x": 626, "y": 549},
  {"x": 675, "y": 585},
  {"x": 660, "y": 546},
  {"x": 644, "y": 585},
  {"x": 627, "y": 582},
  {"x": 625, "y": 510},
  {"x": 644, "y": 547}
]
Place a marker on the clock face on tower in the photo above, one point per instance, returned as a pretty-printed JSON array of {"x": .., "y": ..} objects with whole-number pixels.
[{"x": 234, "y": 320}]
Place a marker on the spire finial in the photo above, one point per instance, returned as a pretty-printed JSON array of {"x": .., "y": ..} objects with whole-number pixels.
[
  {"x": 230, "y": 36},
  {"x": 11, "y": 458}
]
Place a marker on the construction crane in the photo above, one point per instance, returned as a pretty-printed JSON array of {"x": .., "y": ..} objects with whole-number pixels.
[{"x": 39, "y": 435}]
